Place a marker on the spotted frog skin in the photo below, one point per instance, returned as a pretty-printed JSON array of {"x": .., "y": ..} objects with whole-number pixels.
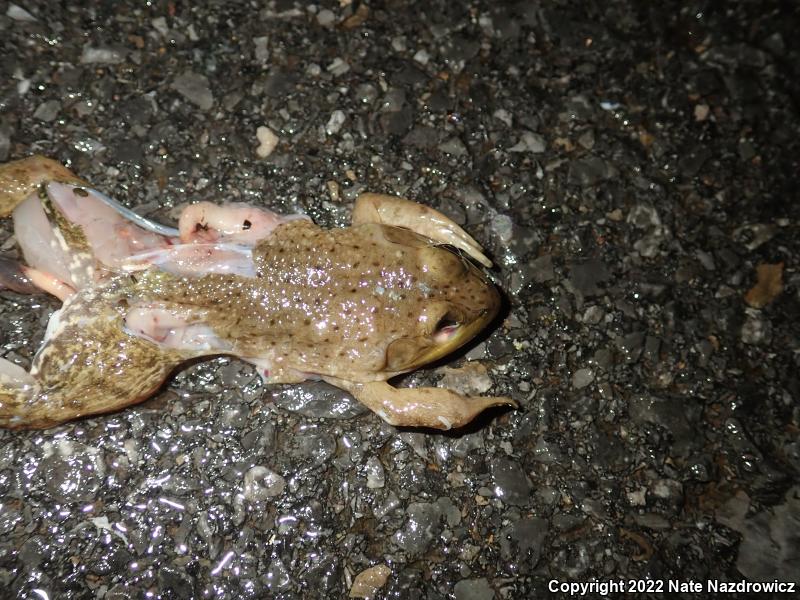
[{"x": 354, "y": 306}]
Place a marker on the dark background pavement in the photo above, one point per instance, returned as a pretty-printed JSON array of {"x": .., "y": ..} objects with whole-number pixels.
[{"x": 632, "y": 168}]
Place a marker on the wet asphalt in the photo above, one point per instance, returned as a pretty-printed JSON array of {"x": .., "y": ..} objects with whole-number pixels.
[{"x": 632, "y": 170}]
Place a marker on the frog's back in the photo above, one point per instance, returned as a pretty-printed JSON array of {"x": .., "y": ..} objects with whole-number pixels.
[{"x": 334, "y": 299}]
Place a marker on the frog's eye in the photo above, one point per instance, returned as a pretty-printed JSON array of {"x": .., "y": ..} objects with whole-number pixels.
[{"x": 446, "y": 327}]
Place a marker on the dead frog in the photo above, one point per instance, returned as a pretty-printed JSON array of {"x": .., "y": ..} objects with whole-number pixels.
[{"x": 353, "y": 306}]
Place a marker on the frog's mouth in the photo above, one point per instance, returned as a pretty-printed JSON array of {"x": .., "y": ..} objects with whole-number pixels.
[{"x": 452, "y": 330}]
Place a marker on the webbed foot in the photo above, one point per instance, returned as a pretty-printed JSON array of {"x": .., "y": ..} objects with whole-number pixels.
[{"x": 393, "y": 210}]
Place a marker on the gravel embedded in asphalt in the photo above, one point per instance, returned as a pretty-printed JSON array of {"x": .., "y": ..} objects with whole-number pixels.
[{"x": 630, "y": 167}]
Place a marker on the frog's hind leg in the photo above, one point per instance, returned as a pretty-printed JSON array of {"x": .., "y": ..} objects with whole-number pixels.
[
  {"x": 87, "y": 365},
  {"x": 20, "y": 178},
  {"x": 399, "y": 212}
]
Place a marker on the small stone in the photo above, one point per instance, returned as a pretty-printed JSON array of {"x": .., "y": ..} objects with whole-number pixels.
[
  {"x": 195, "y": 88},
  {"x": 541, "y": 269},
  {"x": 755, "y": 329},
  {"x": 422, "y": 57},
  {"x": 318, "y": 400},
  {"x": 109, "y": 56},
  {"x": 453, "y": 147},
  {"x": 502, "y": 227},
  {"x": 47, "y": 111},
  {"x": 586, "y": 139},
  {"x": 529, "y": 142},
  {"x": 261, "y": 50},
  {"x": 472, "y": 379},
  {"x": 161, "y": 26},
  {"x": 590, "y": 171},
  {"x": 473, "y": 589},
  {"x": 338, "y": 67},
  {"x": 277, "y": 576},
  {"x": 376, "y": 477},
  {"x": 769, "y": 285},
  {"x": 593, "y": 314},
  {"x": 335, "y": 122},
  {"x": 585, "y": 277},
  {"x": 326, "y": 18},
  {"x": 503, "y": 115},
  {"x": 369, "y": 581},
  {"x": 701, "y": 112},
  {"x": 267, "y": 141},
  {"x": 511, "y": 484},
  {"x": 421, "y": 527},
  {"x": 18, "y": 13},
  {"x": 581, "y": 378},
  {"x": 260, "y": 483}
]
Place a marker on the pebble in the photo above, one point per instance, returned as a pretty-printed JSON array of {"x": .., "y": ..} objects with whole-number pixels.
[
  {"x": 260, "y": 483},
  {"x": 473, "y": 589},
  {"x": 195, "y": 88},
  {"x": 338, "y": 67},
  {"x": 376, "y": 477},
  {"x": 502, "y": 227},
  {"x": 423, "y": 523},
  {"x": 335, "y": 122},
  {"x": 326, "y": 17},
  {"x": 530, "y": 142},
  {"x": 47, "y": 111},
  {"x": 318, "y": 400},
  {"x": 511, "y": 484},
  {"x": 104, "y": 55},
  {"x": 369, "y": 581},
  {"x": 18, "y": 13},
  {"x": 581, "y": 378},
  {"x": 267, "y": 141}
]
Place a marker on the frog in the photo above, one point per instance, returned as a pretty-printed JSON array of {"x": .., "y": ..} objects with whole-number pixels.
[{"x": 400, "y": 288}]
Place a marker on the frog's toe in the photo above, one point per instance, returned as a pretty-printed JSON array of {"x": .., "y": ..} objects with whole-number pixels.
[
  {"x": 436, "y": 408},
  {"x": 26, "y": 280},
  {"x": 14, "y": 278},
  {"x": 393, "y": 210}
]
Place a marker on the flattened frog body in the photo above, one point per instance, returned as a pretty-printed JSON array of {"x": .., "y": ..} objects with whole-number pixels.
[{"x": 353, "y": 306}]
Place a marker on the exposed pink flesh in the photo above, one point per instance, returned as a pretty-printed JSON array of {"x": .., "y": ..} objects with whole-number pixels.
[
  {"x": 444, "y": 334},
  {"x": 40, "y": 247},
  {"x": 175, "y": 328},
  {"x": 205, "y": 222},
  {"x": 112, "y": 237},
  {"x": 49, "y": 283}
]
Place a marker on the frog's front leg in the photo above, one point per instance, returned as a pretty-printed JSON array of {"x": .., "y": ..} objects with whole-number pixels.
[
  {"x": 19, "y": 178},
  {"x": 393, "y": 210},
  {"x": 436, "y": 408}
]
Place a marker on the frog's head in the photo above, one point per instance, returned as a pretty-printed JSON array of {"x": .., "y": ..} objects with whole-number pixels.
[{"x": 456, "y": 303}]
